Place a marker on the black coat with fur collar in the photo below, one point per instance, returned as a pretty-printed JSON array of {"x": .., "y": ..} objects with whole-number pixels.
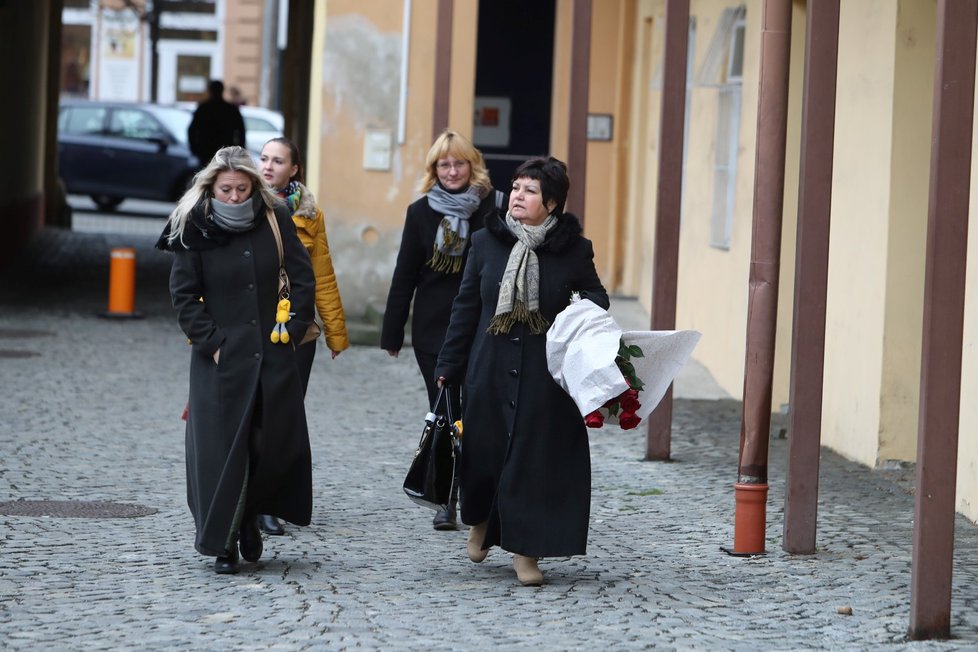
[{"x": 525, "y": 462}]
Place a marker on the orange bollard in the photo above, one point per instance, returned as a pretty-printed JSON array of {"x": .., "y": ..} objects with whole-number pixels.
[
  {"x": 750, "y": 519},
  {"x": 122, "y": 283}
]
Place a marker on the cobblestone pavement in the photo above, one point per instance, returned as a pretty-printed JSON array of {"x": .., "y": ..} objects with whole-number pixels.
[{"x": 90, "y": 412}]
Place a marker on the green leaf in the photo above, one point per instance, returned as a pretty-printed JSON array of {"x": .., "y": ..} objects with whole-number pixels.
[
  {"x": 635, "y": 351},
  {"x": 613, "y": 409},
  {"x": 627, "y": 368}
]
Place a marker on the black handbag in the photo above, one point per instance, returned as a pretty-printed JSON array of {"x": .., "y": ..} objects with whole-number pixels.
[{"x": 431, "y": 478}]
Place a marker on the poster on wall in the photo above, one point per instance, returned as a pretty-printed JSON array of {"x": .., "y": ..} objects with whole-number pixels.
[
  {"x": 490, "y": 124},
  {"x": 120, "y": 42}
]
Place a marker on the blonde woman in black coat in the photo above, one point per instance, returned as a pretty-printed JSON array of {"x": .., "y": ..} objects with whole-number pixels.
[
  {"x": 525, "y": 466},
  {"x": 247, "y": 444},
  {"x": 457, "y": 198}
]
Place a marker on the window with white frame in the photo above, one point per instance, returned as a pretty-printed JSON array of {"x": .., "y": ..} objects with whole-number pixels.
[{"x": 723, "y": 69}]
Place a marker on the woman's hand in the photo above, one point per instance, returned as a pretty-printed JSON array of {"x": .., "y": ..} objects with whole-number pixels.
[
  {"x": 217, "y": 356},
  {"x": 392, "y": 353},
  {"x": 440, "y": 381}
]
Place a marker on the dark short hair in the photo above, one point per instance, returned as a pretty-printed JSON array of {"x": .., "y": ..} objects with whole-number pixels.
[
  {"x": 552, "y": 175},
  {"x": 216, "y": 88}
]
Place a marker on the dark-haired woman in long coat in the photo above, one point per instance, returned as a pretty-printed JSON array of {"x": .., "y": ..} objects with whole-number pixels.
[{"x": 525, "y": 465}]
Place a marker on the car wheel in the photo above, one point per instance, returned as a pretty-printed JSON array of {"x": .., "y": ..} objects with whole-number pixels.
[{"x": 106, "y": 203}]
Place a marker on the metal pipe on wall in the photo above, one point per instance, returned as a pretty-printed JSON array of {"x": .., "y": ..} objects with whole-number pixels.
[{"x": 762, "y": 299}]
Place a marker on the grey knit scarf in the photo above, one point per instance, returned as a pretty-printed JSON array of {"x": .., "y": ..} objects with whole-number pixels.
[
  {"x": 519, "y": 291},
  {"x": 235, "y": 218},
  {"x": 453, "y": 231}
]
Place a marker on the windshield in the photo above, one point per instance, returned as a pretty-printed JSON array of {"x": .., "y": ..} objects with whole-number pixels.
[{"x": 176, "y": 121}]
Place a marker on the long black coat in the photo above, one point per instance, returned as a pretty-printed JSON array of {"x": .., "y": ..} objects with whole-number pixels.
[
  {"x": 246, "y": 412},
  {"x": 525, "y": 462},
  {"x": 433, "y": 292}
]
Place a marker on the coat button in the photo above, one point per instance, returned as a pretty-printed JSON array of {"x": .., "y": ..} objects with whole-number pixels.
[
  {"x": 512, "y": 404},
  {"x": 254, "y": 322},
  {"x": 246, "y": 254},
  {"x": 257, "y": 356},
  {"x": 514, "y": 373},
  {"x": 514, "y": 340},
  {"x": 251, "y": 286}
]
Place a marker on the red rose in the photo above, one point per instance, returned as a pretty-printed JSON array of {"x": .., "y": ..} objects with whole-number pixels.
[
  {"x": 594, "y": 420},
  {"x": 628, "y": 420},
  {"x": 629, "y": 401}
]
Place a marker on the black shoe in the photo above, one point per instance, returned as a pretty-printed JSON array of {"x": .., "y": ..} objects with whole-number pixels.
[
  {"x": 227, "y": 565},
  {"x": 250, "y": 539},
  {"x": 270, "y": 525},
  {"x": 445, "y": 519}
]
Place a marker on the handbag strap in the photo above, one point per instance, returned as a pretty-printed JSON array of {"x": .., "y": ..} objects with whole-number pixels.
[
  {"x": 444, "y": 396},
  {"x": 283, "y": 278}
]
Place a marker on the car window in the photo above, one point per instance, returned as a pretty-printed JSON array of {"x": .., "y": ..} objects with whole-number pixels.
[
  {"x": 258, "y": 124},
  {"x": 176, "y": 120},
  {"x": 81, "y": 120},
  {"x": 135, "y": 123}
]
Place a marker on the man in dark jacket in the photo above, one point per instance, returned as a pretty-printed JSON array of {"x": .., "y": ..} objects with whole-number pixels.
[{"x": 217, "y": 123}]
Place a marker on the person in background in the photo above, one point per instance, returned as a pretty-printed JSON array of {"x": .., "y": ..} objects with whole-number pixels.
[
  {"x": 247, "y": 443},
  {"x": 525, "y": 465},
  {"x": 458, "y": 197},
  {"x": 216, "y": 123},
  {"x": 236, "y": 96},
  {"x": 281, "y": 168}
]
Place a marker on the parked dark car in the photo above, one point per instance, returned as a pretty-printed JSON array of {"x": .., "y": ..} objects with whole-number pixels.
[{"x": 113, "y": 151}]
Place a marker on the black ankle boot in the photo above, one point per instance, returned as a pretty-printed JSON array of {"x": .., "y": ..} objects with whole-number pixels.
[
  {"x": 250, "y": 539},
  {"x": 227, "y": 565},
  {"x": 445, "y": 518},
  {"x": 270, "y": 525}
]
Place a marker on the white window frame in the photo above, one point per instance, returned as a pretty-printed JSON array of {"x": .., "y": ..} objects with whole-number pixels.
[{"x": 729, "y": 95}]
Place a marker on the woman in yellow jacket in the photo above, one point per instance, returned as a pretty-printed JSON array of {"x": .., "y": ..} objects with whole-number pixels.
[{"x": 281, "y": 168}]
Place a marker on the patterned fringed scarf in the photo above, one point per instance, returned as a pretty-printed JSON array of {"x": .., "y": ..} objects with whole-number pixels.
[
  {"x": 453, "y": 231},
  {"x": 291, "y": 193},
  {"x": 519, "y": 292}
]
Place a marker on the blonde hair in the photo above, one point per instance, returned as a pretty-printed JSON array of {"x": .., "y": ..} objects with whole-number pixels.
[
  {"x": 451, "y": 143},
  {"x": 226, "y": 159}
]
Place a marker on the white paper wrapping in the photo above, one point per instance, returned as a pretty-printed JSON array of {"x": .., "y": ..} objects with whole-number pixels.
[
  {"x": 581, "y": 347},
  {"x": 582, "y": 344}
]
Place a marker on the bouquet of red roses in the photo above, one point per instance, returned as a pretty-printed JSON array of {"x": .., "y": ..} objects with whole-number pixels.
[
  {"x": 624, "y": 407},
  {"x": 613, "y": 376}
]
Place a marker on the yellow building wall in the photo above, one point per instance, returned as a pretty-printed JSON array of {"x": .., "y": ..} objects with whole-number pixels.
[
  {"x": 855, "y": 308},
  {"x": 361, "y": 73},
  {"x": 967, "y": 472},
  {"x": 600, "y": 207},
  {"x": 913, "y": 89},
  {"x": 712, "y": 286}
]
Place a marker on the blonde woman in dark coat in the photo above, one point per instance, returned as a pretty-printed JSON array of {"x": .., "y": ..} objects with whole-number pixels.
[
  {"x": 457, "y": 198},
  {"x": 525, "y": 466},
  {"x": 247, "y": 445}
]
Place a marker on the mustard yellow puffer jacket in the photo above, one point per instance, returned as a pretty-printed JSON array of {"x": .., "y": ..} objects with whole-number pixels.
[{"x": 311, "y": 227}]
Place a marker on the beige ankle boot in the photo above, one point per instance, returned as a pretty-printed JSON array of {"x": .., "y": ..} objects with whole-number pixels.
[
  {"x": 477, "y": 534},
  {"x": 527, "y": 571}
]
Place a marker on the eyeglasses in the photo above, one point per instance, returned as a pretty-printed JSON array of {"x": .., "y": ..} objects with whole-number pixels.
[{"x": 445, "y": 166}]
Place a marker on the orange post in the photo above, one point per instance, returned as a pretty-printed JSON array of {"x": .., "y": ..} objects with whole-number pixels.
[
  {"x": 750, "y": 519},
  {"x": 122, "y": 283}
]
